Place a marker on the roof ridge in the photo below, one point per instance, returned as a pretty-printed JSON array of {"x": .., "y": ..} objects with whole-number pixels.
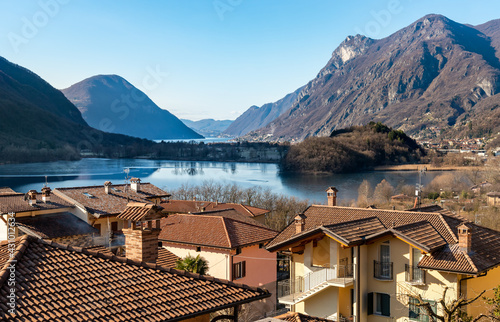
[
  {"x": 227, "y": 231},
  {"x": 98, "y": 186},
  {"x": 19, "y": 251},
  {"x": 378, "y": 209},
  {"x": 471, "y": 262},
  {"x": 128, "y": 261},
  {"x": 441, "y": 216},
  {"x": 200, "y": 214}
]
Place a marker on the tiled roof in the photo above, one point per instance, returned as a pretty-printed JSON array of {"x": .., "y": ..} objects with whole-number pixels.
[
  {"x": 191, "y": 206},
  {"x": 231, "y": 214},
  {"x": 16, "y": 203},
  {"x": 433, "y": 232},
  {"x": 54, "y": 225},
  {"x": 493, "y": 194},
  {"x": 99, "y": 203},
  {"x": 353, "y": 231},
  {"x": 136, "y": 211},
  {"x": 422, "y": 233},
  {"x": 6, "y": 190},
  {"x": 57, "y": 282},
  {"x": 215, "y": 231},
  {"x": 299, "y": 317},
  {"x": 326, "y": 216},
  {"x": 166, "y": 258}
]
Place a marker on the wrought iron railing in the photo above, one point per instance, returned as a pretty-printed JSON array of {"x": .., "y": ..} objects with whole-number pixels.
[
  {"x": 382, "y": 270},
  {"x": 413, "y": 274}
]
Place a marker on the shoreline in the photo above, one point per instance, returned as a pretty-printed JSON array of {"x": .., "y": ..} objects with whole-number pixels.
[{"x": 417, "y": 167}]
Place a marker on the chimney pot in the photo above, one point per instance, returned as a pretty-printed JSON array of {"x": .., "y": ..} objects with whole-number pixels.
[
  {"x": 46, "y": 194},
  {"x": 331, "y": 194},
  {"x": 300, "y": 223},
  {"x": 135, "y": 184},
  {"x": 464, "y": 238},
  {"x": 107, "y": 186},
  {"x": 32, "y": 197}
]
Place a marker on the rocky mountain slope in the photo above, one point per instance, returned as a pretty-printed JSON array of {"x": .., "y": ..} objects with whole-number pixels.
[
  {"x": 208, "y": 127},
  {"x": 39, "y": 124},
  {"x": 256, "y": 117},
  {"x": 111, "y": 104},
  {"x": 433, "y": 77}
]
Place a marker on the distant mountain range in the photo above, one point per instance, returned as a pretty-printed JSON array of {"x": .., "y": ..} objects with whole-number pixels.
[
  {"x": 434, "y": 77},
  {"x": 111, "y": 104},
  {"x": 208, "y": 127},
  {"x": 256, "y": 117},
  {"x": 38, "y": 123}
]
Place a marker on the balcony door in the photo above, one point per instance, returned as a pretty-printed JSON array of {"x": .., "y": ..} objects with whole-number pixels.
[{"x": 385, "y": 260}]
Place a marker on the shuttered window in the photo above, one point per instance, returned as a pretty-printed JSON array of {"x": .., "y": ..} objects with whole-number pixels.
[
  {"x": 379, "y": 303},
  {"x": 239, "y": 270}
]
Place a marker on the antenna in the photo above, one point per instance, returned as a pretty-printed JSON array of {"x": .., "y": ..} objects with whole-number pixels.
[
  {"x": 418, "y": 190},
  {"x": 127, "y": 171},
  {"x": 46, "y": 182}
]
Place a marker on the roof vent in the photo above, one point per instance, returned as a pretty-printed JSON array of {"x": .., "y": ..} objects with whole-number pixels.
[
  {"x": 107, "y": 185},
  {"x": 88, "y": 195}
]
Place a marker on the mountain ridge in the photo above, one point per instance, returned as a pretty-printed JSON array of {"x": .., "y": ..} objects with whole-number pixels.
[{"x": 112, "y": 104}]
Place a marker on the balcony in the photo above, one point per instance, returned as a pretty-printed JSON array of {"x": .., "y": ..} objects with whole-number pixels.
[
  {"x": 414, "y": 275},
  {"x": 382, "y": 270},
  {"x": 293, "y": 291}
]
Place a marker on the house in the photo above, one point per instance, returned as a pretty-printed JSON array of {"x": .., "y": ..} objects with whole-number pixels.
[
  {"x": 366, "y": 264},
  {"x": 100, "y": 205},
  {"x": 42, "y": 215},
  {"x": 195, "y": 206},
  {"x": 42, "y": 280},
  {"x": 493, "y": 198},
  {"x": 233, "y": 248}
]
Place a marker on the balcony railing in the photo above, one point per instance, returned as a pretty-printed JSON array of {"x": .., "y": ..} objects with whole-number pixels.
[
  {"x": 382, "y": 270},
  {"x": 294, "y": 289},
  {"x": 414, "y": 275}
]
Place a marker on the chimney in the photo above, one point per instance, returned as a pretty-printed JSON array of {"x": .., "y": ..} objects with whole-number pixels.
[
  {"x": 135, "y": 184},
  {"x": 331, "y": 194},
  {"x": 46, "y": 194},
  {"x": 300, "y": 223},
  {"x": 107, "y": 186},
  {"x": 141, "y": 243},
  {"x": 464, "y": 238},
  {"x": 32, "y": 197}
]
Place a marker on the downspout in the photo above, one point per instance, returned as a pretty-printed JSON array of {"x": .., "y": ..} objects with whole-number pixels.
[
  {"x": 467, "y": 278},
  {"x": 358, "y": 286}
]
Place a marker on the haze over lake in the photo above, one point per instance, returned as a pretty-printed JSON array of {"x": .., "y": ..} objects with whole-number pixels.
[{"x": 170, "y": 175}]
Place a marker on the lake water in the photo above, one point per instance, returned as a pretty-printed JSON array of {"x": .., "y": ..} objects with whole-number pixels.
[{"x": 170, "y": 175}]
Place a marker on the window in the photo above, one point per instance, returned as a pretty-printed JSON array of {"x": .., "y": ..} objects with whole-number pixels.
[
  {"x": 238, "y": 251},
  {"x": 198, "y": 249},
  {"x": 418, "y": 314},
  {"x": 261, "y": 245},
  {"x": 114, "y": 226},
  {"x": 239, "y": 270},
  {"x": 98, "y": 227},
  {"x": 379, "y": 303}
]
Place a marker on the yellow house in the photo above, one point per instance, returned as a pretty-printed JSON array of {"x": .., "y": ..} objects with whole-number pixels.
[{"x": 357, "y": 264}]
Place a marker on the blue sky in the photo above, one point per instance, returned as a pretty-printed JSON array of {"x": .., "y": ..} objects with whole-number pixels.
[{"x": 204, "y": 59}]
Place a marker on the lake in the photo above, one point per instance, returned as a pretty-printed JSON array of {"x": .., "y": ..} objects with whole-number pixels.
[{"x": 170, "y": 175}]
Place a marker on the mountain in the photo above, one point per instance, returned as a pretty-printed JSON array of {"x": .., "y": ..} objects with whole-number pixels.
[
  {"x": 38, "y": 123},
  {"x": 434, "y": 77},
  {"x": 208, "y": 127},
  {"x": 111, "y": 104},
  {"x": 256, "y": 117}
]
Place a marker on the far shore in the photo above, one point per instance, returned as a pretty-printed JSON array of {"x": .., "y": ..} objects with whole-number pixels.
[{"x": 429, "y": 167}]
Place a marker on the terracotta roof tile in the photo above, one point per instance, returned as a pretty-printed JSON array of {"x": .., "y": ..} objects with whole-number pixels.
[
  {"x": 17, "y": 203},
  {"x": 355, "y": 230},
  {"x": 98, "y": 202},
  {"x": 136, "y": 211},
  {"x": 423, "y": 233},
  {"x": 100, "y": 287},
  {"x": 192, "y": 206},
  {"x": 166, "y": 258},
  {"x": 299, "y": 317},
  {"x": 216, "y": 231},
  {"x": 54, "y": 225},
  {"x": 6, "y": 190}
]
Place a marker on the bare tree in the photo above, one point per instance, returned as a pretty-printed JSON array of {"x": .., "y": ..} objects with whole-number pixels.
[
  {"x": 365, "y": 193},
  {"x": 383, "y": 192}
]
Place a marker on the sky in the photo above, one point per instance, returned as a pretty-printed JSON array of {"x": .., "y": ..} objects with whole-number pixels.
[{"x": 204, "y": 59}]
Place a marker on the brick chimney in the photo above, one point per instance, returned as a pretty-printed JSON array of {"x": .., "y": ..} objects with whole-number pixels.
[
  {"x": 107, "y": 186},
  {"x": 331, "y": 194},
  {"x": 141, "y": 243},
  {"x": 32, "y": 197},
  {"x": 135, "y": 184},
  {"x": 464, "y": 238},
  {"x": 300, "y": 223},
  {"x": 46, "y": 194}
]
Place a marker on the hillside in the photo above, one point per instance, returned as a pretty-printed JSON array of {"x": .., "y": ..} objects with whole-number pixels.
[
  {"x": 208, "y": 127},
  {"x": 39, "y": 124},
  {"x": 111, "y": 104},
  {"x": 434, "y": 76},
  {"x": 353, "y": 149},
  {"x": 256, "y": 117}
]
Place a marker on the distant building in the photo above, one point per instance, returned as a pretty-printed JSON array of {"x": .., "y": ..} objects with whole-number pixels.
[{"x": 493, "y": 198}]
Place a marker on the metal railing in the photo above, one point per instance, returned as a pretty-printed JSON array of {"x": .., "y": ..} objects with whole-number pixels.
[
  {"x": 382, "y": 270},
  {"x": 413, "y": 274},
  {"x": 305, "y": 283}
]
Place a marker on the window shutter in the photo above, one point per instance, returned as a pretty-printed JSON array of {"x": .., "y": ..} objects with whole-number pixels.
[
  {"x": 370, "y": 303},
  {"x": 234, "y": 271},
  {"x": 243, "y": 268},
  {"x": 386, "y": 304}
]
